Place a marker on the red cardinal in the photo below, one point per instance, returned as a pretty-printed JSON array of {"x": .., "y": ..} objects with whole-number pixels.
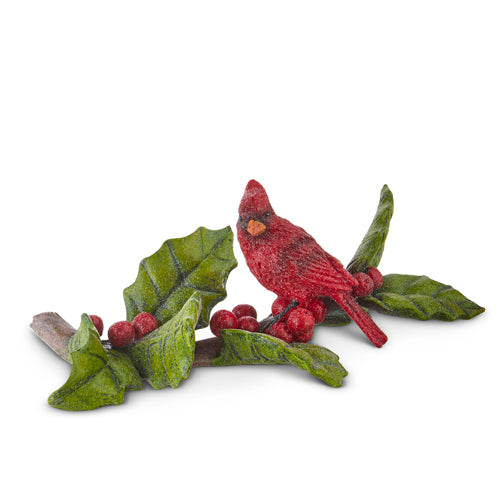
[{"x": 289, "y": 262}]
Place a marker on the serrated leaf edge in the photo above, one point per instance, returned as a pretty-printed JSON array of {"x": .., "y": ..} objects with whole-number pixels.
[
  {"x": 182, "y": 277},
  {"x": 377, "y": 298},
  {"x": 295, "y": 354},
  {"x": 75, "y": 349},
  {"x": 374, "y": 238},
  {"x": 155, "y": 338}
]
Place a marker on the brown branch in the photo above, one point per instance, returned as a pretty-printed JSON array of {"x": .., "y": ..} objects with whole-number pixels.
[
  {"x": 56, "y": 332},
  {"x": 205, "y": 350}
]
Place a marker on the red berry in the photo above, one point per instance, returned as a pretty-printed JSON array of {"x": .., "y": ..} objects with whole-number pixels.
[
  {"x": 318, "y": 309},
  {"x": 121, "y": 334},
  {"x": 305, "y": 337},
  {"x": 376, "y": 276},
  {"x": 144, "y": 323},
  {"x": 221, "y": 320},
  {"x": 278, "y": 305},
  {"x": 245, "y": 310},
  {"x": 364, "y": 286},
  {"x": 280, "y": 331},
  {"x": 300, "y": 321},
  {"x": 98, "y": 323},
  {"x": 248, "y": 323}
]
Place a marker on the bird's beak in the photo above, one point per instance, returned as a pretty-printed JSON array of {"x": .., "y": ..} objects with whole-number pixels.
[{"x": 255, "y": 227}]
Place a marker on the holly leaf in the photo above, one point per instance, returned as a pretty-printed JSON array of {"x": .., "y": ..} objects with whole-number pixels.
[
  {"x": 201, "y": 261},
  {"x": 421, "y": 298},
  {"x": 369, "y": 253},
  {"x": 337, "y": 317},
  {"x": 164, "y": 357},
  {"x": 246, "y": 348},
  {"x": 98, "y": 376}
]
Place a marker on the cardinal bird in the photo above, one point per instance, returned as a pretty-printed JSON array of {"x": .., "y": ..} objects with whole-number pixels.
[{"x": 288, "y": 261}]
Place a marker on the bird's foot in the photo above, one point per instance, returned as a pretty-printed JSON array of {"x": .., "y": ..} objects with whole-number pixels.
[{"x": 272, "y": 320}]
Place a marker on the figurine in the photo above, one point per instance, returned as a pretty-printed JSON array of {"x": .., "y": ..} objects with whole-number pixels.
[{"x": 288, "y": 261}]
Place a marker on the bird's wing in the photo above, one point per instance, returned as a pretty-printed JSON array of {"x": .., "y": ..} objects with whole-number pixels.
[
  {"x": 315, "y": 268},
  {"x": 337, "y": 265}
]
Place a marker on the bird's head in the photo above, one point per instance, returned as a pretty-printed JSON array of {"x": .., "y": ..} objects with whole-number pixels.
[{"x": 255, "y": 213}]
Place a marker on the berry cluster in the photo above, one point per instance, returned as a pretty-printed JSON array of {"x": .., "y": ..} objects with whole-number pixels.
[
  {"x": 123, "y": 333},
  {"x": 243, "y": 317},
  {"x": 297, "y": 325},
  {"x": 367, "y": 282}
]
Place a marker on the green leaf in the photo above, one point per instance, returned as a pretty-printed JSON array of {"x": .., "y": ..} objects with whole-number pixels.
[
  {"x": 98, "y": 376},
  {"x": 336, "y": 318},
  {"x": 369, "y": 253},
  {"x": 165, "y": 356},
  {"x": 335, "y": 315},
  {"x": 201, "y": 261},
  {"x": 120, "y": 363},
  {"x": 246, "y": 348},
  {"x": 421, "y": 298}
]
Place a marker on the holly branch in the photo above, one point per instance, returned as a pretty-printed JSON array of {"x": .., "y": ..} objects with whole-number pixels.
[
  {"x": 101, "y": 374},
  {"x": 56, "y": 333},
  {"x": 180, "y": 284}
]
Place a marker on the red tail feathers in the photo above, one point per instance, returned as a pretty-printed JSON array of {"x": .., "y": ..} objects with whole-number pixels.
[{"x": 350, "y": 305}]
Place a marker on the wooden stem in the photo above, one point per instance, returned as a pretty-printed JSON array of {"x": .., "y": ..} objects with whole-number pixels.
[
  {"x": 205, "y": 350},
  {"x": 56, "y": 332}
]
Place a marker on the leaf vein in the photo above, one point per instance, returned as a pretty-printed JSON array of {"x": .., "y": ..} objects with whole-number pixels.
[
  {"x": 114, "y": 377},
  {"x": 164, "y": 350},
  {"x": 152, "y": 281},
  {"x": 149, "y": 368},
  {"x": 134, "y": 302},
  {"x": 183, "y": 276},
  {"x": 201, "y": 289},
  {"x": 259, "y": 353},
  {"x": 174, "y": 259},
  {"x": 74, "y": 388},
  {"x": 235, "y": 352},
  {"x": 201, "y": 241},
  {"x": 175, "y": 359},
  {"x": 446, "y": 288}
]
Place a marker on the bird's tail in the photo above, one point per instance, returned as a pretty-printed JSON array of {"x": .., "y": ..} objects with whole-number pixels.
[{"x": 350, "y": 305}]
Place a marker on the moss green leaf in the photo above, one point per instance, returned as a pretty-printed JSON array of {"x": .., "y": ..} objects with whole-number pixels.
[
  {"x": 165, "y": 356},
  {"x": 246, "y": 348},
  {"x": 421, "y": 298},
  {"x": 201, "y": 261},
  {"x": 98, "y": 376},
  {"x": 337, "y": 317},
  {"x": 369, "y": 253}
]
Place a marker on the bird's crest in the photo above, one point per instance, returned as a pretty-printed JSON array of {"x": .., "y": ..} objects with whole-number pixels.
[{"x": 255, "y": 200}]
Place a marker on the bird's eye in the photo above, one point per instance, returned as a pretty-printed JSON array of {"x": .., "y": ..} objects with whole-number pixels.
[{"x": 267, "y": 214}]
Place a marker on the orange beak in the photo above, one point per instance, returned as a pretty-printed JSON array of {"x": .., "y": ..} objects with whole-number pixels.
[{"x": 255, "y": 228}]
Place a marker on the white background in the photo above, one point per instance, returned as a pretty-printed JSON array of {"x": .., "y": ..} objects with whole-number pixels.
[{"x": 123, "y": 124}]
